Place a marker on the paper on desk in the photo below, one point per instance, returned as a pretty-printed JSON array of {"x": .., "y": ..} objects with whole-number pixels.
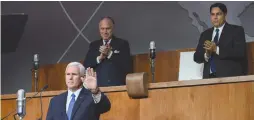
[{"x": 189, "y": 69}]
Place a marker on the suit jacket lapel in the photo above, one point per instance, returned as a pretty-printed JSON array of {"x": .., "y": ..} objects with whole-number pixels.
[
  {"x": 222, "y": 38},
  {"x": 101, "y": 42},
  {"x": 210, "y": 34},
  {"x": 81, "y": 98},
  {"x": 63, "y": 107},
  {"x": 113, "y": 42}
]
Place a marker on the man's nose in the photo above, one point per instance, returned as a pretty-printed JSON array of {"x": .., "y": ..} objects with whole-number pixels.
[{"x": 71, "y": 77}]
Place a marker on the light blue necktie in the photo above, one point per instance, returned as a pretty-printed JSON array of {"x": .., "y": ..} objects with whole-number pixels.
[{"x": 71, "y": 106}]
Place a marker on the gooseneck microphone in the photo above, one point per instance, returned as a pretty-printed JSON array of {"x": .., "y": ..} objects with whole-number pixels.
[
  {"x": 21, "y": 103},
  {"x": 152, "y": 50}
]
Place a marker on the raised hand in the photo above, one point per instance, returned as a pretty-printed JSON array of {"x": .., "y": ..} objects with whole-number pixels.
[{"x": 90, "y": 80}]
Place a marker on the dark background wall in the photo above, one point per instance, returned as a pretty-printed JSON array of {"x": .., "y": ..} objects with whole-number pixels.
[{"x": 52, "y": 27}]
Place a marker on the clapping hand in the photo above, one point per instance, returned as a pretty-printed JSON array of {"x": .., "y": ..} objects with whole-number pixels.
[
  {"x": 209, "y": 47},
  {"x": 105, "y": 49}
]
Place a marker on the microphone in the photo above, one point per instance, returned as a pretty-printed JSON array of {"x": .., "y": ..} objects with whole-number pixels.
[
  {"x": 36, "y": 67},
  {"x": 36, "y": 61},
  {"x": 43, "y": 89},
  {"x": 21, "y": 103},
  {"x": 152, "y": 58},
  {"x": 152, "y": 50}
]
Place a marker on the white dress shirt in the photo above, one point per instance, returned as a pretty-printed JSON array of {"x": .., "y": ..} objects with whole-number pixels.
[
  {"x": 96, "y": 97},
  {"x": 104, "y": 43},
  {"x": 69, "y": 97},
  {"x": 214, "y": 33}
]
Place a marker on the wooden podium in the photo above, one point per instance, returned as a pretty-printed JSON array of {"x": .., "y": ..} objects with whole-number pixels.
[{"x": 229, "y": 98}]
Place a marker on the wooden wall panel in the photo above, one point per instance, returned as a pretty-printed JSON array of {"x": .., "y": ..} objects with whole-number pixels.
[
  {"x": 53, "y": 75},
  {"x": 231, "y": 101},
  {"x": 250, "y": 53},
  {"x": 6, "y": 107},
  {"x": 33, "y": 110},
  {"x": 214, "y": 102},
  {"x": 122, "y": 107},
  {"x": 166, "y": 66},
  {"x": 141, "y": 64}
]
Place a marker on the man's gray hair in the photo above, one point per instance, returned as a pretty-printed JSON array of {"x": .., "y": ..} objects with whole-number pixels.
[{"x": 82, "y": 69}]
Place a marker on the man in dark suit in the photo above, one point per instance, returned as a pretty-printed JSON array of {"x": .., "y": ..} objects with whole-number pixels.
[
  {"x": 222, "y": 48},
  {"x": 110, "y": 56},
  {"x": 80, "y": 102}
]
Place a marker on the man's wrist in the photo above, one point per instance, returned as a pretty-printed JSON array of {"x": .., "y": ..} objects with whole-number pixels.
[
  {"x": 110, "y": 54},
  {"x": 207, "y": 55},
  {"x": 95, "y": 91},
  {"x": 101, "y": 57},
  {"x": 215, "y": 49}
]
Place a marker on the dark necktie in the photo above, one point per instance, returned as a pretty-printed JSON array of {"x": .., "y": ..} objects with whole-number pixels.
[
  {"x": 213, "y": 67},
  {"x": 216, "y": 38},
  {"x": 106, "y": 42}
]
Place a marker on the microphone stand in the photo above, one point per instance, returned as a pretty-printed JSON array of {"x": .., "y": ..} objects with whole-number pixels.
[
  {"x": 36, "y": 80},
  {"x": 14, "y": 116},
  {"x": 152, "y": 65},
  {"x": 41, "y": 107},
  {"x": 20, "y": 118}
]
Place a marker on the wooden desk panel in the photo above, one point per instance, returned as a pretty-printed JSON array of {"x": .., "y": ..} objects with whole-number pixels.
[{"x": 229, "y": 98}]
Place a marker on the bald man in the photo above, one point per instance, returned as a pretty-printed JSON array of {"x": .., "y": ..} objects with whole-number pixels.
[{"x": 109, "y": 56}]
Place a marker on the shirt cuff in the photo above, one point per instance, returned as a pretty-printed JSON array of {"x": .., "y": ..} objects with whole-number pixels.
[
  {"x": 96, "y": 97},
  {"x": 97, "y": 59},
  {"x": 206, "y": 57},
  {"x": 110, "y": 54},
  {"x": 217, "y": 50},
  {"x": 84, "y": 84}
]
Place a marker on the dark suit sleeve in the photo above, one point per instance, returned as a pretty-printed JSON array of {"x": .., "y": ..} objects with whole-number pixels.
[
  {"x": 199, "y": 53},
  {"x": 124, "y": 59},
  {"x": 50, "y": 111},
  {"x": 236, "y": 48},
  {"x": 91, "y": 56},
  {"x": 104, "y": 105}
]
